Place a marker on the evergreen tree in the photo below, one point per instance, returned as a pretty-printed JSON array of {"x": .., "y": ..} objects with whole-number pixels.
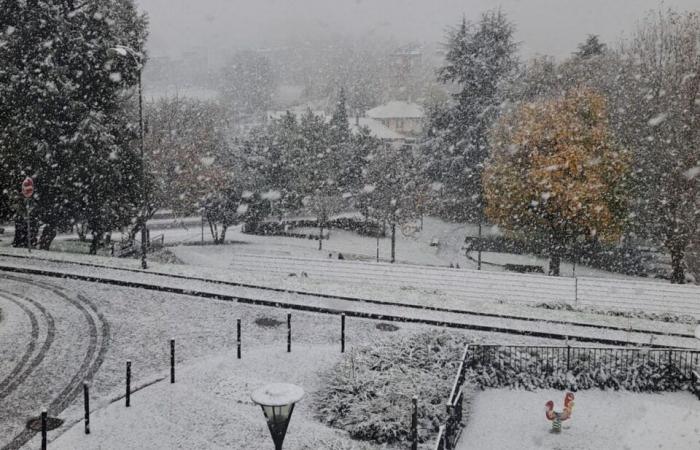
[
  {"x": 480, "y": 56},
  {"x": 340, "y": 130},
  {"x": 590, "y": 47},
  {"x": 63, "y": 115}
]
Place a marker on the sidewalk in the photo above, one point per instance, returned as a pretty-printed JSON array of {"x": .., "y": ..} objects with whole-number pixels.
[{"x": 209, "y": 407}]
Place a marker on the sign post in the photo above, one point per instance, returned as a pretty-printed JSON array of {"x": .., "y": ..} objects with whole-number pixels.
[{"x": 28, "y": 192}]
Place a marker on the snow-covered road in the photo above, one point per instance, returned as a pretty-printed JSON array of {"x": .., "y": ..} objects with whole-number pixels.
[{"x": 65, "y": 345}]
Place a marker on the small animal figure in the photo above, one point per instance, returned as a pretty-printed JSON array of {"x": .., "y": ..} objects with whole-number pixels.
[{"x": 556, "y": 416}]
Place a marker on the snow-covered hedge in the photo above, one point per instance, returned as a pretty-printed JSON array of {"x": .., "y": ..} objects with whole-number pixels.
[
  {"x": 540, "y": 369},
  {"x": 368, "y": 393},
  {"x": 634, "y": 314}
]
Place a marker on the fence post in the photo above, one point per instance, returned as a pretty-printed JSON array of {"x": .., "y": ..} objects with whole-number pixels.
[
  {"x": 43, "y": 429},
  {"x": 443, "y": 437},
  {"x": 568, "y": 357},
  {"x": 238, "y": 337},
  {"x": 576, "y": 291},
  {"x": 414, "y": 424},
  {"x": 86, "y": 401},
  {"x": 128, "y": 383},
  {"x": 289, "y": 332},
  {"x": 448, "y": 427},
  {"x": 342, "y": 333},
  {"x": 172, "y": 361}
]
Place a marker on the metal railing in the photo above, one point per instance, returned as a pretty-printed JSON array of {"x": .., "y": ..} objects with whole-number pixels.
[
  {"x": 449, "y": 432},
  {"x": 546, "y": 359}
]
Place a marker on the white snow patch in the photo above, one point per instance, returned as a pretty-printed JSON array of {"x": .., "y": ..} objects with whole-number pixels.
[
  {"x": 506, "y": 419},
  {"x": 658, "y": 119},
  {"x": 207, "y": 160},
  {"x": 271, "y": 195},
  {"x": 692, "y": 173}
]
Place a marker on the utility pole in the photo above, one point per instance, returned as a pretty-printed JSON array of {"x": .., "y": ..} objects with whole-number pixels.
[
  {"x": 478, "y": 242},
  {"x": 144, "y": 230},
  {"x": 124, "y": 51}
]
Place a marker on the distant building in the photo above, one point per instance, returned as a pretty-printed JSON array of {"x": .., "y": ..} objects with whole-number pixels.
[
  {"x": 378, "y": 130},
  {"x": 396, "y": 123},
  {"x": 401, "y": 117}
]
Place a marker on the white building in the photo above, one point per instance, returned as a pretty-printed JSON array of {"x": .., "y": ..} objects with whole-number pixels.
[{"x": 402, "y": 117}]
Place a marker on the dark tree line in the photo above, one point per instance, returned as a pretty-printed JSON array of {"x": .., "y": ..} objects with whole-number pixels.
[{"x": 67, "y": 113}]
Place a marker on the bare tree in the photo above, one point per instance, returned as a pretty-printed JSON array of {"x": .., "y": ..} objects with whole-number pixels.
[{"x": 658, "y": 112}]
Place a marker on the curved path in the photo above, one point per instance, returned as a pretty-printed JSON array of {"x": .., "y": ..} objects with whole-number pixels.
[{"x": 68, "y": 338}]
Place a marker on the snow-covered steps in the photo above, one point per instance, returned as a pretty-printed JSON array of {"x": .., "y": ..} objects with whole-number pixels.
[{"x": 537, "y": 327}]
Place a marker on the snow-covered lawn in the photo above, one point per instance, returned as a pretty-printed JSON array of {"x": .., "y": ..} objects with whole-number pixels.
[
  {"x": 510, "y": 419},
  {"x": 209, "y": 407},
  {"x": 414, "y": 249}
]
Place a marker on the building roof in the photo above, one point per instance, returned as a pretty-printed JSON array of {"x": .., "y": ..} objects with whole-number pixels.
[
  {"x": 376, "y": 128},
  {"x": 397, "y": 110}
]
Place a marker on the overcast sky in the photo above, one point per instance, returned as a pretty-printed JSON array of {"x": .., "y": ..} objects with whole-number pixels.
[{"x": 543, "y": 26}]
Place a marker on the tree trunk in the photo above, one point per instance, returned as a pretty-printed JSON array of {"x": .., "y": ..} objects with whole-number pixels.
[
  {"x": 95, "y": 242},
  {"x": 20, "y": 239},
  {"x": 80, "y": 229},
  {"x": 214, "y": 232},
  {"x": 393, "y": 242},
  {"x": 222, "y": 238},
  {"x": 47, "y": 236},
  {"x": 320, "y": 235},
  {"x": 677, "y": 256},
  {"x": 554, "y": 261}
]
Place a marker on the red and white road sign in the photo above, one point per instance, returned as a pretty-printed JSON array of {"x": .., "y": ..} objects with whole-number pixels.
[{"x": 28, "y": 187}]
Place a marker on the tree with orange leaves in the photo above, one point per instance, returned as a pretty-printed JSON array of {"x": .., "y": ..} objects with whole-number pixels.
[{"x": 555, "y": 173}]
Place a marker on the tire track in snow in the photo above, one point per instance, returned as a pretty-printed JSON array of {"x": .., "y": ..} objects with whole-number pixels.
[
  {"x": 24, "y": 368},
  {"x": 99, "y": 336}
]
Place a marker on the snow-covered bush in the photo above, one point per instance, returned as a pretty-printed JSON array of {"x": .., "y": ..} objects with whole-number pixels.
[
  {"x": 633, "y": 314},
  {"x": 368, "y": 393},
  {"x": 546, "y": 368}
]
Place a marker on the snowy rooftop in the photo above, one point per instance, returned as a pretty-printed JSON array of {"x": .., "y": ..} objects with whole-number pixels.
[
  {"x": 396, "y": 109},
  {"x": 376, "y": 128}
]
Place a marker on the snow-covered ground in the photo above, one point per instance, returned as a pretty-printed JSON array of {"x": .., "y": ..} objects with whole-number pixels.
[
  {"x": 209, "y": 407},
  {"x": 510, "y": 419},
  {"x": 387, "y": 301},
  {"x": 414, "y": 249},
  {"x": 139, "y": 325}
]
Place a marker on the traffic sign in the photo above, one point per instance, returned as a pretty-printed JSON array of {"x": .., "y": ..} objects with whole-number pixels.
[{"x": 28, "y": 187}]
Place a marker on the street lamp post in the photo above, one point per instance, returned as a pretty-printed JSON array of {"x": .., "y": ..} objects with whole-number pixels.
[
  {"x": 277, "y": 401},
  {"x": 124, "y": 51}
]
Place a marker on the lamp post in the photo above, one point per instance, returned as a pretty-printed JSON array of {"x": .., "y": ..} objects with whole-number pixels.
[
  {"x": 125, "y": 51},
  {"x": 277, "y": 401}
]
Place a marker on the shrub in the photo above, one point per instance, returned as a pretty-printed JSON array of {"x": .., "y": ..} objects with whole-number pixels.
[
  {"x": 368, "y": 393},
  {"x": 531, "y": 369}
]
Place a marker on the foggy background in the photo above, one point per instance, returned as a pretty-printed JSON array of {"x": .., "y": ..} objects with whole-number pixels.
[{"x": 543, "y": 26}]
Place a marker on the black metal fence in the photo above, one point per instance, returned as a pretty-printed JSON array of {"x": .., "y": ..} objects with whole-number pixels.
[
  {"x": 449, "y": 432},
  {"x": 565, "y": 367}
]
